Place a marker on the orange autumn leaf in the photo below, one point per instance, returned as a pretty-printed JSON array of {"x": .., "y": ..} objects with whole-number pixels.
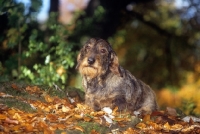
[
  {"x": 99, "y": 113},
  {"x": 2, "y": 116},
  {"x": 48, "y": 98},
  {"x": 51, "y": 117},
  {"x": 16, "y": 127},
  {"x": 155, "y": 126},
  {"x": 11, "y": 111},
  {"x": 77, "y": 116},
  {"x": 120, "y": 119},
  {"x": 14, "y": 86},
  {"x": 146, "y": 118},
  {"x": 141, "y": 125},
  {"x": 79, "y": 128},
  {"x": 61, "y": 126},
  {"x": 86, "y": 118},
  {"x": 130, "y": 131},
  {"x": 94, "y": 132},
  {"x": 29, "y": 127},
  {"x": 33, "y": 89},
  {"x": 42, "y": 124},
  {"x": 48, "y": 131}
]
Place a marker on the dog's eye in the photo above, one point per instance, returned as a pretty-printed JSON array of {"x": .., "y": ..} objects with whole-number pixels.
[{"x": 103, "y": 50}]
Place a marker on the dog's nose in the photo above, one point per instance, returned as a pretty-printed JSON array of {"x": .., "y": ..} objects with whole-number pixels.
[{"x": 91, "y": 60}]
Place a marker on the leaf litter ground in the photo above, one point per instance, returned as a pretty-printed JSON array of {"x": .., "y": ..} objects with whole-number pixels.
[{"x": 32, "y": 109}]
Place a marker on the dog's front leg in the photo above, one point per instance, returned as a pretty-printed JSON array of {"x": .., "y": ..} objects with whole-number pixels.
[{"x": 91, "y": 101}]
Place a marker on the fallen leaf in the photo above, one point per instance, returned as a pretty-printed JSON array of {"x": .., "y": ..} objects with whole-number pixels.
[
  {"x": 166, "y": 126},
  {"x": 78, "y": 116},
  {"x": 5, "y": 95},
  {"x": 94, "y": 132},
  {"x": 141, "y": 125},
  {"x": 187, "y": 119},
  {"x": 176, "y": 127},
  {"x": 130, "y": 131},
  {"x": 79, "y": 128},
  {"x": 146, "y": 118},
  {"x": 107, "y": 110},
  {"x": 14, "y": 86},
  {"x": 8, "y": 120},
  {"x": 120, "y": 119},
  {"x": 65, "y": 109},
  {"x": 155, "y": 126},
  {"x": 109, "y": 120},
  {"x": 48, "y": 98},
  {"x": 87, "y": 119},
  {"x": 171, "y": 111},
  {"x": 29, "y": 128},
  {"x": 2, "y": 116}
]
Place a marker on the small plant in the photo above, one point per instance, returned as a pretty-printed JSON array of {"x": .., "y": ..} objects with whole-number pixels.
[{"x": 188, "y": 107}]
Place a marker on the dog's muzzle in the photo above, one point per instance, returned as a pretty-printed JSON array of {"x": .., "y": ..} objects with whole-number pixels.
[{"x": 91, "y": 60}]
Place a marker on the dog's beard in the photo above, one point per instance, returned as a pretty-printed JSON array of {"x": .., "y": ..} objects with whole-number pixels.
[{"x": 91, "y": 71}]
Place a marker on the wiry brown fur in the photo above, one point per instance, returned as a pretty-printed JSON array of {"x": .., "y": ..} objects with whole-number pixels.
[{"x": 107, "y": 84}]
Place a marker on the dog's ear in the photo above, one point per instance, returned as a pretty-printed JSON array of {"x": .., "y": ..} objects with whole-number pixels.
[
  {"x": 78, "y": 60},
  {"x": 114, "y": 65}
]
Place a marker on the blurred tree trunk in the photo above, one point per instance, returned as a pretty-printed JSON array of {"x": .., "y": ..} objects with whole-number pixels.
[{"x": 54, "y": 5}]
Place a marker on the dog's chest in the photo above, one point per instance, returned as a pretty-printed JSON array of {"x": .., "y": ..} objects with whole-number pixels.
[{"x": 112, "y": 85}]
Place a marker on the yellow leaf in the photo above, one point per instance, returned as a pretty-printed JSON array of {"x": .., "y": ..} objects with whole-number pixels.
[
  {"x": 166, "y": 126},
  {"x": 17, "y": 116},
  {"x": 176, "y": 127},
  {"x": 65, "y": 109}
]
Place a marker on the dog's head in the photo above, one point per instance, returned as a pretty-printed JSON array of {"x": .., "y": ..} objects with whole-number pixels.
[{"x": 97, "y": 58}]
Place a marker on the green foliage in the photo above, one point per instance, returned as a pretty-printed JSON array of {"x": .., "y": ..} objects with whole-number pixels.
[
  {"x": 157, "y": 45},
  {"x": 56, "y": 54},
  {"x": 41, "y": 53},
  {"x": 188, "y": 107}
]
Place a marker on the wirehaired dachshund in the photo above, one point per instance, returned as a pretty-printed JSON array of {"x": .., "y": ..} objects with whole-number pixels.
[{"x": 107, "y": 84}]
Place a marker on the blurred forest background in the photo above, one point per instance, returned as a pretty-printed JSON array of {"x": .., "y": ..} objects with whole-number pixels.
[{"x": 157, "y": 40}]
